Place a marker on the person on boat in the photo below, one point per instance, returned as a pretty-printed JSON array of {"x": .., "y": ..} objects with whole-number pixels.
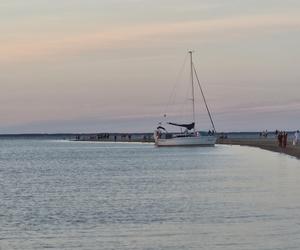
[{"x": 158, "y": 134}]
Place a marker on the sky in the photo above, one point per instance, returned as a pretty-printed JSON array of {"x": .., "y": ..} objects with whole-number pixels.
[{"x": 114, "y": 65}]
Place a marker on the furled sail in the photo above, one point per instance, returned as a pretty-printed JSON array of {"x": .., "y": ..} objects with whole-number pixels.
[{"x": 188, "y": 126}]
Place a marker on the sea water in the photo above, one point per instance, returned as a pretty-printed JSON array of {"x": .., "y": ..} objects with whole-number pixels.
[{"x": 80, "y": 195}]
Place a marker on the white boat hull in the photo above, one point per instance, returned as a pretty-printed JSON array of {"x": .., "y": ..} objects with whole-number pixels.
[{"x": 204, "y": 141}]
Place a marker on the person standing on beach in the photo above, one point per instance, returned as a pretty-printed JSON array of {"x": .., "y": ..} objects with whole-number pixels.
[
  {"x": 279, "y": 137},
  {"x": 285, "y": 135},
  {"x": 296, "y": 136}
]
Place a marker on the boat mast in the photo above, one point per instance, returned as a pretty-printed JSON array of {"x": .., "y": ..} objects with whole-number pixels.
[{"x": 192, "y": 81}]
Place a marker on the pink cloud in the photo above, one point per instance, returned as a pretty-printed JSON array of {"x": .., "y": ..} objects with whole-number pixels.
[{"x": 34, "y": 46}]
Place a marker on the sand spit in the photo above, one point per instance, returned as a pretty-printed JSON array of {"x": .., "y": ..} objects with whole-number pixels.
[{"x": 264, "y": 143}]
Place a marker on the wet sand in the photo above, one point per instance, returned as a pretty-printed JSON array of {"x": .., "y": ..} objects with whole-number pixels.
[{"x": 263, "y": 143}]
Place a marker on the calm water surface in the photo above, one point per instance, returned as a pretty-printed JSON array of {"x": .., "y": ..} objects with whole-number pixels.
[{"x": 76, "y": 195}]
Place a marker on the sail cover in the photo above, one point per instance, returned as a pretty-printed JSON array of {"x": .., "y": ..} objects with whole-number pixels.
[{"x": 188, "y": 126}]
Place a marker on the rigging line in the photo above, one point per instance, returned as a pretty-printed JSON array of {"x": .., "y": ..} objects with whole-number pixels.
[
  {"x": 209, "y": 114},
  {"x": 174, "y": 86}
]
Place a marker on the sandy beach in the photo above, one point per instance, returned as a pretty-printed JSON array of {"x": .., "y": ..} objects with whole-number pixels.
[{"x": 264, "y": 143}]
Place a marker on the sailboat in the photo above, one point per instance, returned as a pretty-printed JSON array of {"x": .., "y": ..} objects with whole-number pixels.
[{"x": 190, "y": 137}]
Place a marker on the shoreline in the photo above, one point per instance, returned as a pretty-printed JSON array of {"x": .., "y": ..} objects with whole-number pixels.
[
  {"x": 266, "y": 144},
  {"x": 251, "y": 139}
]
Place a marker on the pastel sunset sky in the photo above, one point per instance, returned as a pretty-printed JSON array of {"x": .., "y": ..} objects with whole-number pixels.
[{"x": 111, "y": 65}]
